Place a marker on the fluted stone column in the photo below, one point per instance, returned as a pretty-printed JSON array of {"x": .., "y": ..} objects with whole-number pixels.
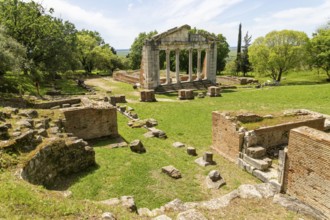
[
  {"x": 168, "y": 66},
  {"x": 177, "y": 65},
  {"x": 199, "y": 53},
  {"x": 190, "y": 65}
]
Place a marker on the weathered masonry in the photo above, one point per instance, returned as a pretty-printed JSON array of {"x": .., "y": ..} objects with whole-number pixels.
[
  {"x": 178, "y": 39},
  {"x": 307, "y": 175},
  {"x": 91, "y": 122}
]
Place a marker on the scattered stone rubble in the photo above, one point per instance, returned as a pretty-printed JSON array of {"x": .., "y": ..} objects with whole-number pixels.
[
  {"x": 172, "y": 172},
  {"x": 137, "y": 147},
  {"x": 206, "y": 160},
  {"x": 51, "y": 152},
  {"x": 125, "y": 201},
  {"x": 214, "y": 180},
  {"x": 246, "y": 191}
]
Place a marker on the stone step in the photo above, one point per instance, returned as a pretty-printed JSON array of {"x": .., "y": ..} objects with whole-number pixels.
[
  {"x": 195, "y": 85},
  {"x": 260, "y": 164},
  {"x": 256, "y": 152}
]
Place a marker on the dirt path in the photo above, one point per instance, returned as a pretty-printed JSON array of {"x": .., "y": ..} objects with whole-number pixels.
[{"x": 102, "y": 83}]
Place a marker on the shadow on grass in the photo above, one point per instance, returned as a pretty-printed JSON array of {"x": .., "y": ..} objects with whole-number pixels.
[
  {"x": 228, "y": 91},
  {"x": 64, "y": 182},
  {"x": 304, "y": 83},
  {"x": 107, "y": 142},
  {"x": 172, "y": 94}
]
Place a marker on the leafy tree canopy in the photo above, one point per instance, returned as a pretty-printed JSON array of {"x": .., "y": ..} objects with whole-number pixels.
[
  {"x": 320, "y": 49},
  {"x": 278, "y": 52},
  {"x": 12, "y": 54},
  {"x": 135, "y": 54}
]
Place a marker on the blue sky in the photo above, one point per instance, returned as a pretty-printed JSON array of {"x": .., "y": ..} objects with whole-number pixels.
[{"x": 120, "y": 21}]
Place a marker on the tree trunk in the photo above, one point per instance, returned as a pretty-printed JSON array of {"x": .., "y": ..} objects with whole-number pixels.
[{"x": 279, "y": 75}]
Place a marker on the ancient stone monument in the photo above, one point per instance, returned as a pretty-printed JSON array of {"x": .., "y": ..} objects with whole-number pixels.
[
  {"x": 56, "y": 158},
  {"x": 184, "y": 94},
  {"x": 213, "y": 91},
  {"x": 91, "y": 122},
  {"x": 147, "y": 95},
  {"x": 177, "y": 39}
]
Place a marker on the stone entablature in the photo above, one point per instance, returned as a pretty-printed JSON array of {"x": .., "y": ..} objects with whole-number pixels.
[{"x": 177, "y": 39}]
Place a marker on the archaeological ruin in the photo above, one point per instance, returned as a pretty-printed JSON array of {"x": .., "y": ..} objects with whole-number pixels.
[
  {"x": 177, "y": 39},
  {"x": 291, "y": 151}
]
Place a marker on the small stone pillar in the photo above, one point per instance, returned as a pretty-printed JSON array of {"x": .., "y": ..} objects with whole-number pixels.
[
  {"x": 117, "y": 99},
  {"x": 191, "y": 151},
  {"x": 213, "y": 91},
  {"x": 186, "y": 94},
  {"x": 147, "y": 96},
  {"x": 208, "y": 157}
]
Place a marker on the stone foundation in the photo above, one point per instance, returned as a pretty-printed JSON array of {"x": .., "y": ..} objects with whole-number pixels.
[
  {"x": 213, "y": 91},
  {"x": 184, "y": 94},
  {"x": 117, "y": 99},
  {"x": 91, "y": 122},
  {"x": 147, "y": 96},
  {"x": 229, "y": 138},
  {"x": 57, "y": 157}
]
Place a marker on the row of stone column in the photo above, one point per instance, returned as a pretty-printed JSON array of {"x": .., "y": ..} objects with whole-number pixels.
[{"x": 177, "y": 66}]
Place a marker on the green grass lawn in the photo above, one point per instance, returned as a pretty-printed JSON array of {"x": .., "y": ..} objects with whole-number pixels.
[{"x": 121, "y": 172}]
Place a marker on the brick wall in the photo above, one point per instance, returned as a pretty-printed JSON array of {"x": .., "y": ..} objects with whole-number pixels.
[
  {"x": 307, "y": 173},
  {"x": 273, "y": 136},
  {"x": 225, "y": 139}
]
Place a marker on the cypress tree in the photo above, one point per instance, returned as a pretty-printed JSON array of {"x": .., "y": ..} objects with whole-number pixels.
[{"x": 239, "y": 45}]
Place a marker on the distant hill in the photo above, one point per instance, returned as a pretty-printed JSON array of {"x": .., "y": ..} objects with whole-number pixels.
[{"x": 122, "y": 52}]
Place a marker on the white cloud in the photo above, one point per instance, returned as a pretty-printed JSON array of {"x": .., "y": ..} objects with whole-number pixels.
[
  {"x": 111, "y": 29},
  {"x": 130, "y": 7},
  {"x": 306, "y": 19},
  {"x": 218, "y": 16}
]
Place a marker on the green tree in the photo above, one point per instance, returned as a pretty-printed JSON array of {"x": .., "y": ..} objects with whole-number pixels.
[
  {"x": 93, "y": 53},
  {"x": 135, "y": 54},
  {"x": 12, "y": 54},
  {"x": 49, "y": 41},
  {"x": 320, "y": 49},
  {"x": 239, "y": 48},
  {"x": 278, "y": 52},
  {"x": 245, "y": 63}
]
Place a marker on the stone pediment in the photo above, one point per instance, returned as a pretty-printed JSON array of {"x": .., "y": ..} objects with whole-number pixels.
[{"x": 179, "y": 34}]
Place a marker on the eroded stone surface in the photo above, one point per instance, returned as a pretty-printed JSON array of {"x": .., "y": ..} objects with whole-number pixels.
[
  {"x": 56, "y": 157},
  {"x": 191, "y": 214},
  {"x": 178, "y": 145},
  {"x": 172, "y": 172},
  {"x": 137, "y": 146}
]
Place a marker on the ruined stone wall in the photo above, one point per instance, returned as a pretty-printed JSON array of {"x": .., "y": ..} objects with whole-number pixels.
[
  {"x": 56, "y": 158},
  {"x": 273, "y": 136},
  {"x": 91, "y": 122},
  {"x": 48, "y": 105},
  {"x": 226, "y": 140},
  {"x": 307, "y": 174},
  {"x": 127, "y": 78}
]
